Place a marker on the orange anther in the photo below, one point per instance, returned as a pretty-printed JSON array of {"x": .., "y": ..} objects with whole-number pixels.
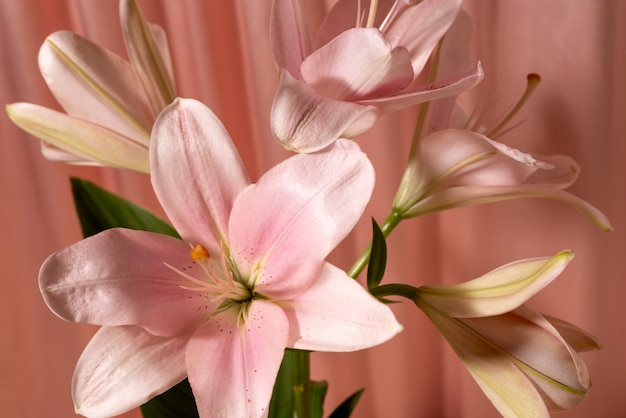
[{"x": 199, "y": 253}]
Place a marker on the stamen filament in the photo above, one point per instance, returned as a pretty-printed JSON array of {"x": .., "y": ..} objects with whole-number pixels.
[
  {"x": 390, "y": 16},
  {"x": 359, "y": 15},
  {"x": 531, "y": 85},
  {"x": 371, "y": 17},
  {"x": 192, "y": 279}
]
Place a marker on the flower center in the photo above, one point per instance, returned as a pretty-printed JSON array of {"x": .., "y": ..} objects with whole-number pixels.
[{"x": 217, "y": 282}]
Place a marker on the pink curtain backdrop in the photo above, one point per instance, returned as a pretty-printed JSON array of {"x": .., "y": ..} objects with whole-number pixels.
[{"x": 221, "y": 56}]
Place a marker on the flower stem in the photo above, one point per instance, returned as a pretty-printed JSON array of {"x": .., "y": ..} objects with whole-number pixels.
[
  {"x": 301, "y": 373},
  {"x": 291, "y": 396},
  {"x": 387, "y": 226}
]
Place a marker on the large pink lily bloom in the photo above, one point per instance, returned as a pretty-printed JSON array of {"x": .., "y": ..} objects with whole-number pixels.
[
  {"x": 459, "y": 167},
  {"x": 366, "y": 62},
  {"x": 247, "y": 280},
  {"x": 110, "y": 104},
  {"x": 526, "y": 363}
]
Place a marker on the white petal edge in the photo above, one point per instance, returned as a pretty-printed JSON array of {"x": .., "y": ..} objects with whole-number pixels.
[{"x": 124, "y": 367}]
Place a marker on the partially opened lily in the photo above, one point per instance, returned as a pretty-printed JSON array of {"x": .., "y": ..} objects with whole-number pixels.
[
  {"x": 366, "y": 61},
  {"x": 110, "y": 104},
  {"x": 456, "y": 162},
  {"x": 247, "y": 280},
  {"x": 526, "y": 363},
  {"x": 458, "y": 167}
]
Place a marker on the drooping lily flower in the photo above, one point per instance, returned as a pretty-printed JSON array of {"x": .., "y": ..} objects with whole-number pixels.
[
  {"x": 110, "y": 104},
  {"x": 458, "y": 167},
  {"x": 247, "y": 280},
  {"x": 527, "y": 364},
  {"x": 365, "y": 62}
]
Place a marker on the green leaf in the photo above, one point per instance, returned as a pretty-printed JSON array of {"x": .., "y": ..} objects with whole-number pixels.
[
  {"x": 99, "y": 209},
  {"x": 177, "y": 402},
  {"x": 347, "y": 407},
  {"x": 318, "y": 393},
  {"x": 378, "y": 257}
]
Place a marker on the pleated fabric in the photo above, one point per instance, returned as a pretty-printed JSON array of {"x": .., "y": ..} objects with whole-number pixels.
[{"x": 221, "y": 54}]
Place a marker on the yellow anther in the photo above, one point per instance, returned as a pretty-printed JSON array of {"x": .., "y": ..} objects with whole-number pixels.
[{"x": 199, "y": 253}]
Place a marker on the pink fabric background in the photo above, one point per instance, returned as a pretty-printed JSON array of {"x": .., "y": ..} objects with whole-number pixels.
[{"x": 221, "y": 54}]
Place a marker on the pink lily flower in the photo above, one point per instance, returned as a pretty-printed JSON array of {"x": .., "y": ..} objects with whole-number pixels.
[
  {"x": 110, "y": 104},
  {"x": 457, "y": 164},
  {"x": 527, "y": 364},
  {"x": 355, "y": 71},
  {"x": 247, "y": 280},
  {"x": 459, "y": 167}
]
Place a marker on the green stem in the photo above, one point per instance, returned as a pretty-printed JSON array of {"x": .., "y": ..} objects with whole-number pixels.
[
  {"x": 291, "y": 396},
  {"x": 302, "y": 383},
  {"x": 387, "y": 226}
]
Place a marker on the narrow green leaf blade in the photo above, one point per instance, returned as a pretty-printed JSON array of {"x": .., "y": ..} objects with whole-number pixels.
[
  {"x": 347, "y": 407},
  {"x": 378, "y": 257},
  {"x": 177, "y": 402}
]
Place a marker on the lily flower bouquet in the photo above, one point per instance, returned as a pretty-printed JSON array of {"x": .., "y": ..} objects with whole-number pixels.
[{"x": 214, "y": 312}]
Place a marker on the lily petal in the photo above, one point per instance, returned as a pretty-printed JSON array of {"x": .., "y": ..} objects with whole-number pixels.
[
  {"x": 455, "y": 157},
  {"x": 94, "y": 84},
  {"x": 420, "y": 27},
  {"x": 579, "y": 339},
  {"x": 506, "y": 386},
  {"x": 455, "y": 53},
  {"x": 540, "y": 352},
  {"x": 232, "y": 367},
  {"x": 303, "y": 208},
  {"x": 499, "y": 291},
  {"x": 357, "y": 64},
  {"x": 416, "y": 93},
  {"x": 147, "y": 50},
  {"x": 75, "y": 136},
  {"x": 304, "y": 121},
  {"x": 209, "y": 180},
  {"x": 467, "y": 196},
  {"x": 53, "y": 153},
  {"x": 118, "y": 277},
  {"x": 289, "y": 35},
  {"x": 561, "y": 175},
  {"x": 337, "y": 314},
  {"x": 124, "y": 367}
]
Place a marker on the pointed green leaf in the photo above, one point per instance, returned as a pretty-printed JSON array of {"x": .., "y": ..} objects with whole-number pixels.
[
  {"x": 378, "y": 257},
  {"x": 347, "y": 407},
  {"x": 99, "y": 209},
  {"x": 177, "y": 402}
]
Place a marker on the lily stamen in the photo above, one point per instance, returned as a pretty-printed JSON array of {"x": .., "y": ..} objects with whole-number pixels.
[
  {"x": 389, "y": 17},
  {"x": 371, "y": 16},
  {"x": 533, "y": 81}
]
